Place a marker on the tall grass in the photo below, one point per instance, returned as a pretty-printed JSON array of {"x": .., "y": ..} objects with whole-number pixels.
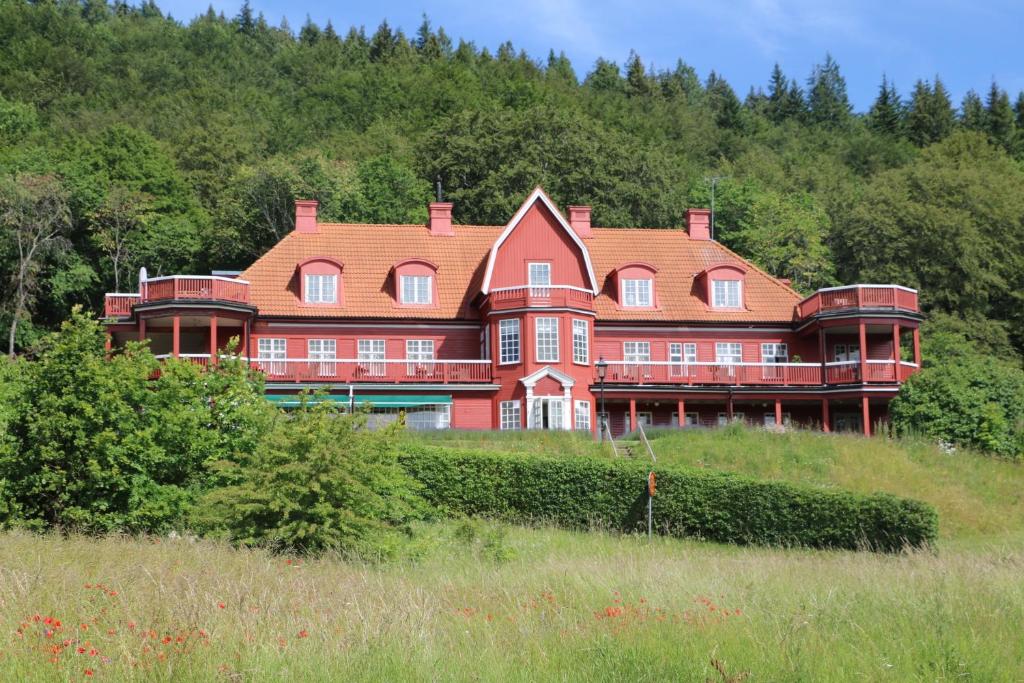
[
  {"x": 488, "y": 603},
  {"x": 979, "y": 498}
]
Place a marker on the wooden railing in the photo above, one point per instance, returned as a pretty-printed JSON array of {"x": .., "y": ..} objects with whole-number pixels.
[
  {"x": 197, "y": 358},
  {"x": 374, "y": 371},
  {"x": 661, "y": 372},
  {"x": 540, "y": 296},
  {"x": 892, "y": 297},
  {"x": 907, "y": 369},
  {"x": 116, "y": 305}
]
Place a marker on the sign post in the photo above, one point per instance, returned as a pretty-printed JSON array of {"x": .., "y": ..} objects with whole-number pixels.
[{"x": 651, "y": 489}]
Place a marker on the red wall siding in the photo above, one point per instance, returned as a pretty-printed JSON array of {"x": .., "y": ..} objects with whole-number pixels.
[
  {"x": 539, "y": 237},
  {"x": 450, "y": 344},
  {"x": 472, "y": 412}
]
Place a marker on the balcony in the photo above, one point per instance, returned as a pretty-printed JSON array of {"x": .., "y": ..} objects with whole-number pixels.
[
  {"x": 178, "y": 288},
  {"x": 755, "y": 374},
  {"x": 333, "y": 371},
  {"x": 855, "y": 297},
  {"x": 557, "y": 296}
]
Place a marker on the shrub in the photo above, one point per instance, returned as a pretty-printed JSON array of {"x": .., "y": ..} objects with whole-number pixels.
[
  {"x": 584, "y": 492},
  {"x": 319, "y": 480}
]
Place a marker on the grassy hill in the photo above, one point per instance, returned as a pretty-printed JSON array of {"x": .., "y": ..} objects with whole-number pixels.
[
  {"x": 488, "y": 603},
  {"x": 979, "y": 498}
]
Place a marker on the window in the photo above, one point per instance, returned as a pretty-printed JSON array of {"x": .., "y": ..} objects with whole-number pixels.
[
  {"x": 429, "y": 417},
  {"x": 321, "y": 289},
  {"x": 540, "y": 274},
  {"x": 582, "y": 415},
  {"x": 845, "y": 353},
  {"x": 580, "y": 342},
  {"x": 636, "y": 352},
  {"x": 272, "y": 350},
  {"x": 680, "y": 356},
  {"x": 417, "y": 289},
  {"x": 323, "y": 350},
  {"x": 547, "y": 340},
  {"x": 723, "y": 418},
  {"x": 774, "y": 353},
  {"x": 371, "y": 350},
  {"x": 726, "y": 293},
  {"x": 508, "y": 341},
  {"x": 644, "y": 418},
  {"x": 421, "y": 351},
  {"x": 636, "y": 293},
  {"x": 728, "y": 352},
  {"x": 769, "y": 419},
  {"x": 510, "y": 415}
]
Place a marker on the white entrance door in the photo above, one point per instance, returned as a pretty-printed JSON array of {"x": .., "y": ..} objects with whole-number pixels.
[{"x": 548, "y": 413}]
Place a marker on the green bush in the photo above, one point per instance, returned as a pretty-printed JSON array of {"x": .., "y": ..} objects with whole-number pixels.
[{"x": 586, "y": 492}]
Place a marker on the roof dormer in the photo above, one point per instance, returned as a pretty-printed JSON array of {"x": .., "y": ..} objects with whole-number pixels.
[
  {"x": 415, "y": 283},
  {"x": 320, "y": 281},
  {"x": 635, "y": 286},
  {"x": 722, "y": 286}
]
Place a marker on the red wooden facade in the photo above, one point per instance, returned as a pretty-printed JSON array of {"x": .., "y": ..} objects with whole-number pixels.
[{"x": 531, "y": 324}]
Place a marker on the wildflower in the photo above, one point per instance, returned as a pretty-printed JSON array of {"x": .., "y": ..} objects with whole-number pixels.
[
  {"x": 81, "y": 650},
  {"x": 48, "y": 620},
  {"x": 221, "y": 605},
  {"x": 84, "y": 627},
  {"x": 166, "y": 640},
  {"x": 93, "y": 652},
  {"x": 303, "y": 633}
]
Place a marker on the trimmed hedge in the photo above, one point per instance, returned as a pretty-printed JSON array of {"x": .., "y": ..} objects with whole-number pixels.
[{"x": 583, "y": 492}]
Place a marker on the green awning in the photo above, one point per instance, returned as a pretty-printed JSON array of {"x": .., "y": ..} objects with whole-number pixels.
[{"x": 378, "y": 400}]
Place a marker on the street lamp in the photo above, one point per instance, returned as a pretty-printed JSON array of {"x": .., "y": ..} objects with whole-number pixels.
[{"x": 602, "y": 370}]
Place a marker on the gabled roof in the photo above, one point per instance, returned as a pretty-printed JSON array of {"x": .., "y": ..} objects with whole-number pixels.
[
  {"x": 538, "y": 195},
  {"x": 531, "y": 380}
]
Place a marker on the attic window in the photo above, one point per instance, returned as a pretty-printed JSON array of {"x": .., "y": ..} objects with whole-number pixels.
[
  {"x": 321, "y": 289},
  {"x": 636, "y": 293},
  {"x": 726, "y": 293},
  {"x": 320, "y": 281},
  {"x": 635, "y": 284},
  {"x": 416, "y": 289},
  {"x": 415, "y": 283}
]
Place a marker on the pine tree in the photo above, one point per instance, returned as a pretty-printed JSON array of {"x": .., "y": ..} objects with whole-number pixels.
[
  {"x": 681, "y": 82},
  {"x": 330, "y": 35},
  {"x": 1018, "y": 108},
  {"x": 605, "y": 77},
  {"x": 244, "y": 20},
  {"x": 723, "y": 102},
  {"x": 382, "y": 44},
  {"x": 930, "y": 117},
  {"x": 560, "y": 68},
  {"x": 638, "y": 84},
  {"x": 886, "y": 114},
  {"x": 826, "y": 96},
  {"x": 999, "y": 119},
  {"x": 972, "y": 112},
  {"x": 309, "y": 34}
]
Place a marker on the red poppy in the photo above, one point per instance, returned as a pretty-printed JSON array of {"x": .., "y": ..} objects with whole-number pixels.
[
  {"x": 88, "y": 672},
  {"x": 303, "y": 633},
  {"x": 221, "y": 605}
]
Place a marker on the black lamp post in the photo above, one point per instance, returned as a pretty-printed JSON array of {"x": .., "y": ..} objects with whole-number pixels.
[{"x": 602, "y": 370}]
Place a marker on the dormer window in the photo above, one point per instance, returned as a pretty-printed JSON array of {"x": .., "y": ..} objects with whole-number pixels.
[
  {"x": 321, "y": 289},
  {"x": 320, "y": 281},
  {"x": 636, "y": 293},
  {"x": 540, "y": 275},
  {"x": 416, "y": 289},
  {"x": 726, "y": 293}
]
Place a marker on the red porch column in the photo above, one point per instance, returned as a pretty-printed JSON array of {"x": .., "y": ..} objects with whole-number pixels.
[
  {"x": 213, "y": 339},
  {"x": 176, "y": 336},
  {"x": 866, "y": 415},
  {"x": 778, "y": 412},
  {"x": 142, "y": 329},
  {"x": 917, "y": 346},
  {"x": 863, "y": 351},
  {"x": 896, "y": 354},
  {"x": 823, "y": 355},
  {"x": 632, "y": 414},
  {"x": 682, "y": 413},
  {"x": 826, "y": 425}
]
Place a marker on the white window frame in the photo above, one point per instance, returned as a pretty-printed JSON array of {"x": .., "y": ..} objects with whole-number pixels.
[
  {"x": 636, "y": 352},
  {"x": 509, "y": 341},
  {"x": 728, "y": 353},
  {"x": 539, "y": 268},
  {"x": 769, "y": 419},
  {"x": 546, "y": 340},
  {"x": 417, "y": 290},
  {"x": 637, "y": 293},
  {"x": 323, "y": 350},
  {"x": 320, "y": 289},
  {"x": 580, "y": 342},
  {"x": 723, "y": 418},
  {"x": 420, "y": 353},
  {"x": 510, "y": 416},
  {"x": 438, "y": 416},
  {"x": 722, "y": 294},
  {"x": 581, "y": 416},
  {"x": 270, "y": 351},
  {"x": 850, "y": 353},
  {"x": 771, "y": 352},
  {"x": 369, "y": 350}
]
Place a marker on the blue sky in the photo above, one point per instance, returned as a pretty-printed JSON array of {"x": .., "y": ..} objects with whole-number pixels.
[{"x": 968, "y": 43}]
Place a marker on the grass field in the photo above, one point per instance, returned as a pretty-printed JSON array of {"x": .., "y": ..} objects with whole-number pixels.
[
  {"x": 979, "y": 498},
  {"x": 488, "y": 603}
]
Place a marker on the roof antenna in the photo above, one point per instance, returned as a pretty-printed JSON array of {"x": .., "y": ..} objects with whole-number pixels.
[
  {"x": 714, "y": 183},
  {"x": 439, "y": 195}
]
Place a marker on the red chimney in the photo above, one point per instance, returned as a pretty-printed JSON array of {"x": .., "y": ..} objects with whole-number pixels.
[
  {"x": 305, "y": 215},
  {"x": 698, "y": 223},
  {"x": 440, "y": 222},
  {"x": 579, "y": 220}
]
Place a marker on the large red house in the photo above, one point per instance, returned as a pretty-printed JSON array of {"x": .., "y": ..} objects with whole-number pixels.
[{"x": 512, "y": 327}]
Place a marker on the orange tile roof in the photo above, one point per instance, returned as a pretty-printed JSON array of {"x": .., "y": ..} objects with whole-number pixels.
[{"x": 368, "y": 253}]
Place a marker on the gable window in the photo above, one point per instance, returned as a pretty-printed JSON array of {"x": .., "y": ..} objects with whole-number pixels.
[
  {"x": 370, "y": 350},
  {"x": 726, "y": 293},
  {"x": 540, "y": 274},
  {"x": 580, "y": 342},
  {"x": 547, "y": 340},
  {"x": 417, "y": 289},
  {"x": 271, "y": 353},
  {"x": 508, "y": 341},
  {"x": 636, "y": 293},
  {"x": 323, "y": 350},
  {"x": 511, "y": 417},
  {"x": 321, "y": 289}
]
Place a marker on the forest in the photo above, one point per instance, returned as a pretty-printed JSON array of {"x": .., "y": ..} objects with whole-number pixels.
[{"x": 130, "y": 138}]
